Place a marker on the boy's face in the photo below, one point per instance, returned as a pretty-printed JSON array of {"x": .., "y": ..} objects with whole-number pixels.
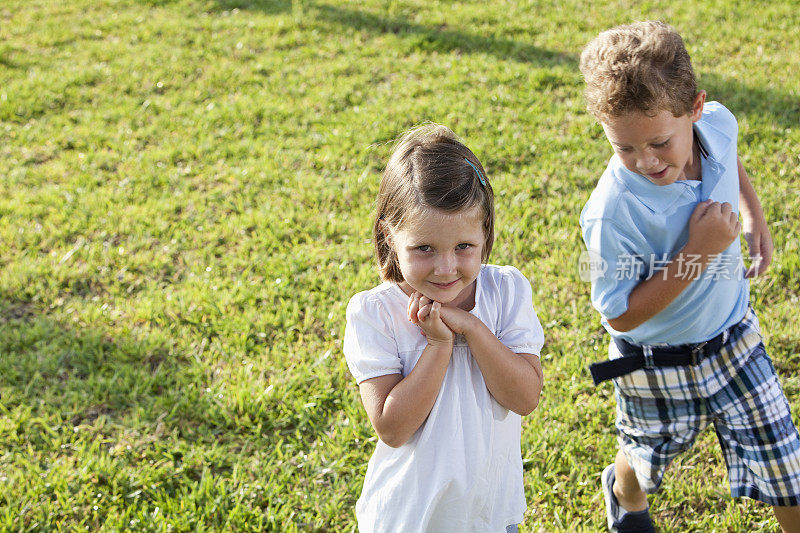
[{"x": 660, "y": 147}]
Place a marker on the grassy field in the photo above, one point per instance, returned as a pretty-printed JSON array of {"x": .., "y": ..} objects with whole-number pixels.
[{"x": 184, "y": 213}]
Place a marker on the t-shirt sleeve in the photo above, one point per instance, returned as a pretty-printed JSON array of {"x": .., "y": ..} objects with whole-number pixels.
[
  {"x": 520, "y": 330},
  {"x": 616, "y": 267},
  {"x": 369, "y": 345}
]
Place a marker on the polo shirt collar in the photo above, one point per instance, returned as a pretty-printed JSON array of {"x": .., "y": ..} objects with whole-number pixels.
[
  {"x": 657, "y": 198},
  {"x": 715, "y": 145},
  {"x": 714, "y": 140}
]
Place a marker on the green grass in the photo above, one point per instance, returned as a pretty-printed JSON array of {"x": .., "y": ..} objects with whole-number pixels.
[{"x": 185, "y": 211}]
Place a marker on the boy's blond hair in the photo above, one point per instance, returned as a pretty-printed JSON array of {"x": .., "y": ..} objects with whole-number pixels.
[{"x": 640, "y": 67}]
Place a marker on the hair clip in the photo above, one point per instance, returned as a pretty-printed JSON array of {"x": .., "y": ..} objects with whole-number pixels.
[{"x": 480, "y": 176}]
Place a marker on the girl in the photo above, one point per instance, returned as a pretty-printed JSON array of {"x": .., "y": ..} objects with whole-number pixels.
[{"x": 445, "y": 351}]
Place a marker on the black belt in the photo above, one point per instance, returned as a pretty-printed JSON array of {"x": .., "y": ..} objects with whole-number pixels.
[{"x": 635, "y": 357}]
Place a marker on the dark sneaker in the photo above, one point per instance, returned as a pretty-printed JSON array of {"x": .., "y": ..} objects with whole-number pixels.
[{"x": 638, "y": 522}]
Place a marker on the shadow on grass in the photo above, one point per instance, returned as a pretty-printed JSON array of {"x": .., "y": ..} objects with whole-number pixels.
[
  {"x": 7, "y": 63},
  {"x": 73, "y": 375},
  {"x": 87, "y": 411},
  {"x": 101, "y": 427},
  {"x": 270, "y": 7},
  {"x": 780, "y": 107},
  {"x": 420, "y": 37},
  {"x": 442, "y": 39}
]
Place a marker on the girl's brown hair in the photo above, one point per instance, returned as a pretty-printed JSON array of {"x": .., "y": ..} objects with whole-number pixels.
[
  {"x": 429, "y": 169},
  {"x": 641, "y": 67}
]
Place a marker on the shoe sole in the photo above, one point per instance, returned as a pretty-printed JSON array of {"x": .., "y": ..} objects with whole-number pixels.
[{"x": 608, "y": 477}]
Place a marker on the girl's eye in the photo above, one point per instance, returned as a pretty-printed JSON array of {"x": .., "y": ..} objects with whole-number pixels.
[
  {"x": 661, "y": 145},
  {"x": 623, "y": 150},
  {"x": 424, "y": 248},
  {"x": 463, "y": 246}
]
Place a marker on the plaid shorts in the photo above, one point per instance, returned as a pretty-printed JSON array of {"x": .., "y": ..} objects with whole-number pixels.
[{"x": 661, "y": 411}]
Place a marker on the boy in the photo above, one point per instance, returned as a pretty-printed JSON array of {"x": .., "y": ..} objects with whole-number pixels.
[{"x": 668, "y": 279}]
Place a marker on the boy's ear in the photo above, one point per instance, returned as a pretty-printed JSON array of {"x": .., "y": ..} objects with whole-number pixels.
[{"x": 697, "y": 105}]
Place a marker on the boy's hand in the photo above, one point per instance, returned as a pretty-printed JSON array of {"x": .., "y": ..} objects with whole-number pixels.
[
  {"x": 759, "y": 243},
  {"x": 712, "y": 228},
  {"x": 427, "y": 315}
]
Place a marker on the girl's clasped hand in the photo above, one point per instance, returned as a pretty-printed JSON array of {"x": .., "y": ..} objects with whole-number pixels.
[{"x": 439, "y": 323}]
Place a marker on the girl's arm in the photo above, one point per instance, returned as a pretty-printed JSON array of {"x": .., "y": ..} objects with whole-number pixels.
[
  {"x": 514, "y": 380},
  {"x": 754, "y": 226},
  {"x": 398, "y": 406}
]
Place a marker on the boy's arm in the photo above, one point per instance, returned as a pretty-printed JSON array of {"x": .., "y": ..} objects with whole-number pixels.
[
  {"x": 712, "y": 228},
  {"x": 514, "y": 380},
  {"x": 754, "y": 226}
]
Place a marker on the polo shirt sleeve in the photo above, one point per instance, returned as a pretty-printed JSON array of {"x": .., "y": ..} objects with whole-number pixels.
[
  {"x": 620, "y": 269},
  {"x": 369, "y": 344},
  {"x": 721, "y": 118},
  {"x": 520, "y": 330}
]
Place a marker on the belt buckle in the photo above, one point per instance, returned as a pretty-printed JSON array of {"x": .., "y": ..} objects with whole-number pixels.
[{"x": 696, "y": 352}]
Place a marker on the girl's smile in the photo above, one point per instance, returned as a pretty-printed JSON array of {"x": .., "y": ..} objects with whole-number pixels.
[{"x": 444, "y": 285}]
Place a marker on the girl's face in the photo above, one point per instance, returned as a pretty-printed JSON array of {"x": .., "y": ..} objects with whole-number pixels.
[{"x": 440, "y": 253}]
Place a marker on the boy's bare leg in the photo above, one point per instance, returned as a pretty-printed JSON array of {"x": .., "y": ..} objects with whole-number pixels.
[
  {"x": 627, "y": 490},
  {"x": 788, "y": 518}
]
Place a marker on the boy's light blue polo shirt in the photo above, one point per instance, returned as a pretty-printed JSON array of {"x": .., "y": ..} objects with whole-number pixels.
[{"x": 632, "y": 226}]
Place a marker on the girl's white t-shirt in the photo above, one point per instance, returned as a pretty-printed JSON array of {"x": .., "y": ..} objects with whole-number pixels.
[{"x": 462, "y": 469}]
